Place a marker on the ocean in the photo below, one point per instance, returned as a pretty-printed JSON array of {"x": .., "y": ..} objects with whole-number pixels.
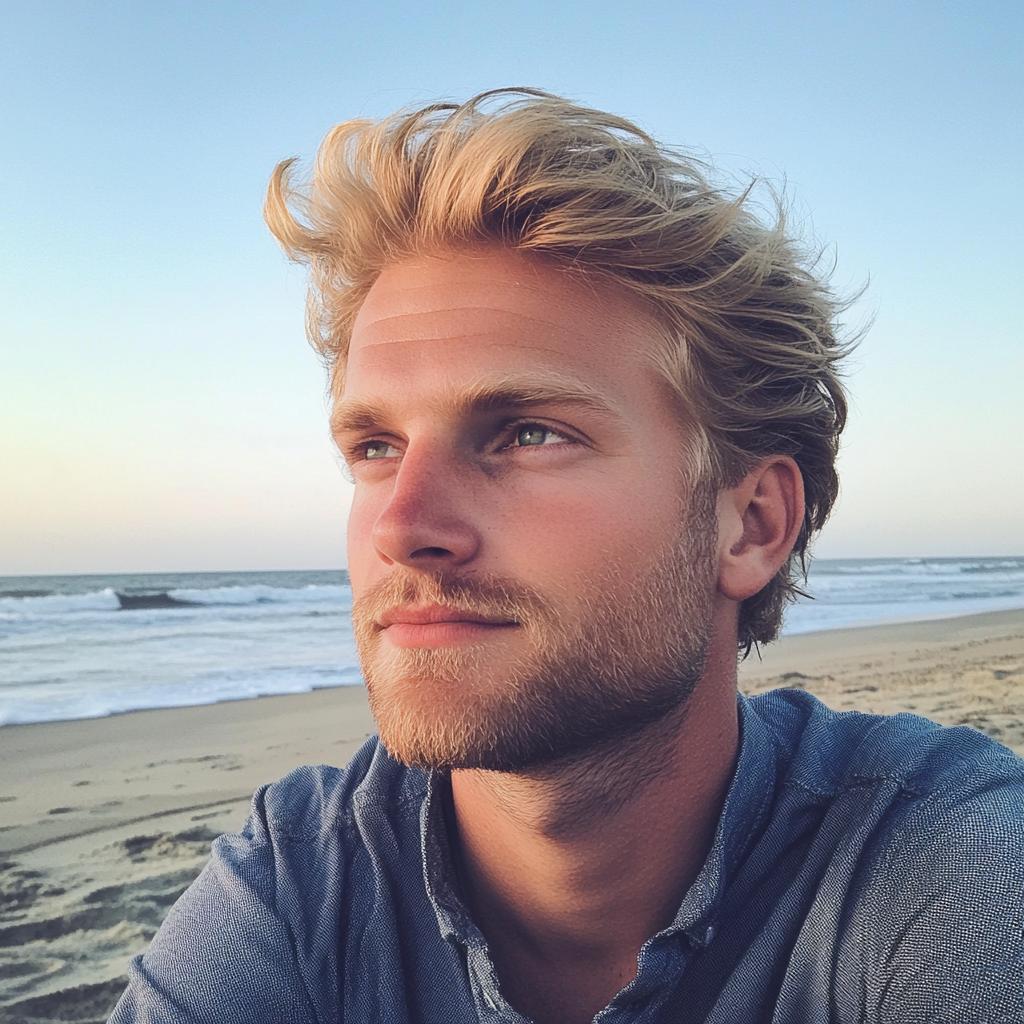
[{"x": 88, "y": 646}]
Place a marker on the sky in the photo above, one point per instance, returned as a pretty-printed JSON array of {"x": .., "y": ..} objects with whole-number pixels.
[{"x": 160, "y": 409}]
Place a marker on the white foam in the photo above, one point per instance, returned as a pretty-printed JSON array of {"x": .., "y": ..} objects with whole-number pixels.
[
  {"x": 210, "y": 688},
  {"x": 104, "y": 600},
  {"x": 811, "y": 617}
]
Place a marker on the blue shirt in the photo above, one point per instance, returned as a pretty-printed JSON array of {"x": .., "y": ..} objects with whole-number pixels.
[{"x": 864, "y": 869}]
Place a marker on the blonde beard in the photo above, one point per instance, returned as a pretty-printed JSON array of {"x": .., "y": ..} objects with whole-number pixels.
[{"x": 624, "y": 660}]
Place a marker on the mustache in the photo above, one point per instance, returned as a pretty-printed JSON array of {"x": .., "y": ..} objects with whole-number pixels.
[{"x": 485, "y": 595}]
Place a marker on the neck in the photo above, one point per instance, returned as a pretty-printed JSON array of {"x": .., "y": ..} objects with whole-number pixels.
[{"x": 570, "y": 868}]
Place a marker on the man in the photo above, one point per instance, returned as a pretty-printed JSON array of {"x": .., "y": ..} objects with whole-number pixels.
[{"x": 591, "y": 410}]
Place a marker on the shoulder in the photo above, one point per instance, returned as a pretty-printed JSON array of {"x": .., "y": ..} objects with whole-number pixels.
[
  {"x": 917, "y": 801},
  {"x": 256, "y": 936},
  {"x": 931, "y": 908},
  {"x": 829, "y": 751},
  {"x": 316, "y": 804}
]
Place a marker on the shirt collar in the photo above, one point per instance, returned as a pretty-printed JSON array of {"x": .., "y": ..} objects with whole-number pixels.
[
  {"x": 743, "y": 817},
  {"x": 439, "y": 872}
]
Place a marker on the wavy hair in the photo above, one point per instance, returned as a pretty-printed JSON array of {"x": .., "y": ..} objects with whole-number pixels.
[{"x": 751, "y": 340}]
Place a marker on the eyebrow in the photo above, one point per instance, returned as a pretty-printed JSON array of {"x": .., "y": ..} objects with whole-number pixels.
[{"x": 482, "y": 396}]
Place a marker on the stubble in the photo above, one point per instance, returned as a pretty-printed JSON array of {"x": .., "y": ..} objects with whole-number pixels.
[{"x": 588, "y": 667}]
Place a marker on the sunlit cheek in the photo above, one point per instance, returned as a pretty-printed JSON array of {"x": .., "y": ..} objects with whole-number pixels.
[{"x": 571, "y": 530}]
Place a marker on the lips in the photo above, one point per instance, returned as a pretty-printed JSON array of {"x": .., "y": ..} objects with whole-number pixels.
[
  {"x": 437, "y": 626},
  {"x": 434, "y": 614}
]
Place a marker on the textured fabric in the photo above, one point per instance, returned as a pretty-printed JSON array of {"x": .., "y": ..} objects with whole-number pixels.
[{"x": 864, "y": 869}]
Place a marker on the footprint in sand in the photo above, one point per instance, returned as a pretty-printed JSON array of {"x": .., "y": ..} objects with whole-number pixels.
[{"x": 109, "y": 902}]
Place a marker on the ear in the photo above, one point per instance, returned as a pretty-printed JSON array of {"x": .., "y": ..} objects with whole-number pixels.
[{"x": 758, "y": 522}]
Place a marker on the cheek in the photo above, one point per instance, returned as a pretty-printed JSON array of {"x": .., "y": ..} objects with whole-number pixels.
[{"x": 562, "y": 535}]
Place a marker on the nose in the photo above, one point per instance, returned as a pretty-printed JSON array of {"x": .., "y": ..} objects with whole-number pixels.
[{"x": 425, "y": 523}]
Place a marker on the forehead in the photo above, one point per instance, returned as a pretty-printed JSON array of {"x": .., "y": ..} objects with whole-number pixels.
[{"x": 435, "y": 319}]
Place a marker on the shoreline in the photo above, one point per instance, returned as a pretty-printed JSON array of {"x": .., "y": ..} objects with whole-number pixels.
[
  {"x": 158, "y": 761},
  {"x": 73, "y": 649},
  {"x": 787, "y": 641},
  {"x": 105, "y": 821}
]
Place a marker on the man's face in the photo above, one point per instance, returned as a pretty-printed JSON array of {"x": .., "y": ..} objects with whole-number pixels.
[{"x": 533, "y": 574}]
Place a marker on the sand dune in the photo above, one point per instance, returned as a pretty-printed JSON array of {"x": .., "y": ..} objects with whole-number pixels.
[{"x": 105, "y": 822}]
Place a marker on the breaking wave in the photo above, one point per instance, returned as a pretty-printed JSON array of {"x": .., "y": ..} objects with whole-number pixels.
[{"x": 108, "y": 599}]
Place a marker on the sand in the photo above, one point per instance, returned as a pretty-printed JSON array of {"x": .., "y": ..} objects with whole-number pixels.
[
  {"x": 964, "y": 671},
  {"x": 103, "y": 823}
]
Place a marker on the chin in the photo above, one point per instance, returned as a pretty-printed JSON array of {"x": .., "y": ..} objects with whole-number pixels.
[{"x": 439, "y": 707}]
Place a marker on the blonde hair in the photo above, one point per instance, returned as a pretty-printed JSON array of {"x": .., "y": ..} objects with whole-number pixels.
[{"x": 751, "y": 328}]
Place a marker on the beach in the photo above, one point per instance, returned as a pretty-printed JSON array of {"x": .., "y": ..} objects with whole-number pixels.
[{"x": 105, "y": 821}]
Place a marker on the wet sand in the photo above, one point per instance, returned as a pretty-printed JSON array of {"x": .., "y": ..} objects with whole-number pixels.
[{"x": 103, "y": 823}]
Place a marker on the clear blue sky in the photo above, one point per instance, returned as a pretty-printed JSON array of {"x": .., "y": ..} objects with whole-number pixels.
[{"x": 159, "y": 408}]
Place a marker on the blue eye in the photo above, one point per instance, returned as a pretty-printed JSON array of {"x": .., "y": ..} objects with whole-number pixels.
[
  {"x": 378, "y": 450},
  {"x": 533, "y": 434}
]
